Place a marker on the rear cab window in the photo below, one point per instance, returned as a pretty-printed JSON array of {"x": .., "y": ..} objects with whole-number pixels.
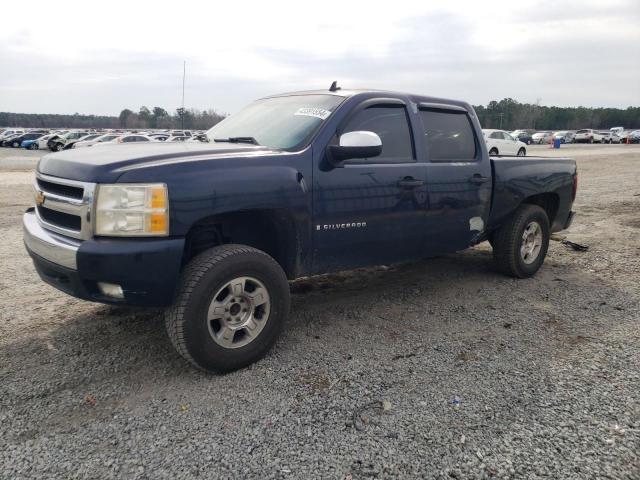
[{"x": 449, "y": 135}]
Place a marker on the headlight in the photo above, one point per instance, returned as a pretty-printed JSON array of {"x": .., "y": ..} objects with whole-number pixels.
[{"x": 132, "y": 210}]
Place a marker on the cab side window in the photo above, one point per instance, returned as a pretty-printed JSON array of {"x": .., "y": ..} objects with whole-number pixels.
[
  {"x": 391, "y": 125},
  {"x": 449, "y": 136}
]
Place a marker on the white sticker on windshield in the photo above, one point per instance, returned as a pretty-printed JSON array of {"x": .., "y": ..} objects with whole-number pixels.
[{"x": 320, "y": 113}]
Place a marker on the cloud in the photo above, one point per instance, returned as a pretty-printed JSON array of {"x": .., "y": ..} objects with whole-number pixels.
[{"x": 102, "y": 59}]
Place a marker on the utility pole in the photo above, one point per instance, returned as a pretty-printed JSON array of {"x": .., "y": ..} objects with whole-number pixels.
[
  {"x": 501, "y": 115},
  {"x": 184, "y": 74}
]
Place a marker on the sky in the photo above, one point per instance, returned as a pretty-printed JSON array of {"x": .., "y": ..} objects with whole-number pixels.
[{"x": 69, "y": 57}]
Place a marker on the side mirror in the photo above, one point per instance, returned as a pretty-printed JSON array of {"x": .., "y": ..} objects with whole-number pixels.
[{"x": 356, "y": 145}]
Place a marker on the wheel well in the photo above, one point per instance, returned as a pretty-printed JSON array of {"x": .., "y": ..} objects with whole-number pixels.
[
  {"x": 549, "y": 203},
  {"x": 272, "y": 231}
]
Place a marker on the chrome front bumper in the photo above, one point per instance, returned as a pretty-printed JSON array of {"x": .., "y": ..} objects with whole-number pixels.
[{"x": 48, "y": 245}]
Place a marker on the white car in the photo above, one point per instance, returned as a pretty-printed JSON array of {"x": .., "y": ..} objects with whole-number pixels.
[
  {"x": 102, "y": 138},
  {"x": 610, "y": 136},
  {"x": 589, "y": 136},
  {"x": 177, "y": 138},
  {"x": 500, "y": 142},
  {"x": 127, "y": 138},
  {"x": 541, "y": 137},
  {"x": 565, "y": 136},
  {"x": 42, "y": 141}
]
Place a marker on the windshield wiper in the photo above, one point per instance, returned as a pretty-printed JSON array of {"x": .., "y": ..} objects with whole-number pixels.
[{"x": 250, "y": 140}]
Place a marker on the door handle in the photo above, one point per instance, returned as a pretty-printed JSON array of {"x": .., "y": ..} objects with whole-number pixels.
[
  {"x": 478, "y": 179},
  {"x": 410, "y": 182}
]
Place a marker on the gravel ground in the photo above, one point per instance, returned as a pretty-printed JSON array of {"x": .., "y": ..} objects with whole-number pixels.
[{"x": 436, "y": 369}]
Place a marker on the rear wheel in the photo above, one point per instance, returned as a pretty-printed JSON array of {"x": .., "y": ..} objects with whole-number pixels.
[
  {"x": 520, "y": 245},
  {"x": 15, "y": 144},
  {"x": 232, "y": 303},
  {"x": 33, "y": 146}
]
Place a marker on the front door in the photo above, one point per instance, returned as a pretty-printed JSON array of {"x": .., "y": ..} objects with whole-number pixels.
[{"x": 371, "y": 213}]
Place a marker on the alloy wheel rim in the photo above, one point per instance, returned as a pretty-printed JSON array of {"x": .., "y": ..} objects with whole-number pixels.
[
  {"x": 238, "y": 312},
  {"x": 531, "y": 242}
]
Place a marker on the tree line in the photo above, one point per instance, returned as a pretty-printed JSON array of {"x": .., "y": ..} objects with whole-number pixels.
[
  {"x": 157, "y": 117},
  {"x": 507, "y": 114}
]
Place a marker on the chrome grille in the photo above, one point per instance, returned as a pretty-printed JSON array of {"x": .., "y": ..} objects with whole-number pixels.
[{"x": 65, "y": 206}]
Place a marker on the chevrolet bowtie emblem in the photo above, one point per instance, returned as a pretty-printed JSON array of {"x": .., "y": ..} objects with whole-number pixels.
[{"x": 39, "y": 198}]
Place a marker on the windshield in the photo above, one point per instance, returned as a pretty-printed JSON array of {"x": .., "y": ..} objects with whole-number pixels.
[{"x": 279, "y": 122}]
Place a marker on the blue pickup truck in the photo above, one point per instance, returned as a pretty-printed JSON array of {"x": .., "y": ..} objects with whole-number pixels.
[{"x": 293, "y": 185}]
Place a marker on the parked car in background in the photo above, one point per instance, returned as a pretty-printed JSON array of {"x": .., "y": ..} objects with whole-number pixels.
[
  {"x": 523, "y": 136},
  {"x": 541, "y": 137},
  {"x": 10, "y": 132},
  {"x": 132, "y": 138},
  {"x": 617, "y": 130},
  {"x": 71, "y": 143},
  {"x": 565, "y": 136},
  {"x": 609, "y": 136},
  {"x": 500, "y": 142},
  {"x": 30, "y": 142},
  {"x": 180, "y": 133},
  {"x": 588, "y": 135},
  {"x": 99, "y": 139},
  {"x": 634, "y": 136},
  {"x": 42, "y": 141},
  {"x": 161, "y": 137},
  {"x": 58, "y": 143},
  {"x": 16, "y": 142},
  {"x": 8, "y": 140},
  {"x": 177, "y": 138}
]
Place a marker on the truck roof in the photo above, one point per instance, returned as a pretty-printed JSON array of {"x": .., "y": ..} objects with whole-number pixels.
[{"x": 373, "y": 92}]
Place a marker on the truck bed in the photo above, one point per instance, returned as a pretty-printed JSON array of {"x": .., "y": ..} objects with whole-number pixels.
[{"x": 541, "y": 178}]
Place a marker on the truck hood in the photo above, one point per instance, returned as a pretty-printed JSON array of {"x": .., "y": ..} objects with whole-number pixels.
[{"x": 105, "y": 163}]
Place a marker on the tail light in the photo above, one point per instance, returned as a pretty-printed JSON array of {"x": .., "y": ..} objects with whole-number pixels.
[{"x": 575, "y": 186}]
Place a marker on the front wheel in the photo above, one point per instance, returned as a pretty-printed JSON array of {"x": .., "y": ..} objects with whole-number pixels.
[
  {"x": 520, "y": 245},
  {"x": 231, "y": 305},
  {"x": 522, "y": 152}
]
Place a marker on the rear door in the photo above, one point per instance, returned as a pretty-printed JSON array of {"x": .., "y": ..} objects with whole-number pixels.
[
  {"x": 459, "y": 178},
  {"x": 371, "y": 212}
]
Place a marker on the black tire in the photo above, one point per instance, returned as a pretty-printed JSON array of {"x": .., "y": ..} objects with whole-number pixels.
[
  {"x": 493, "y": 151},
  {"x": 33, "y": 146},
  {"x": 522, "y": 152},
  {"x": 591, "y": 140},
  {"x": 15, "y": 144},
  {"x": 186, "y": 320},
  {"x": 507, "y": 242}
]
